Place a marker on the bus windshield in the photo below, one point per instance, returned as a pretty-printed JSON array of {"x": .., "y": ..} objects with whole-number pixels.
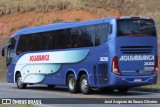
[{"x": 136, "y": 27}]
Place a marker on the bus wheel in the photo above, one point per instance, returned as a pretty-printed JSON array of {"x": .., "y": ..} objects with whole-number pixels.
[
  {"x": 20, "y": 85},
  {"x": 51, "y": 86},
  {"x": 84, "y": 86},
  {"x": 123, "y": 90},
  {"x": 72, "y": 84}
]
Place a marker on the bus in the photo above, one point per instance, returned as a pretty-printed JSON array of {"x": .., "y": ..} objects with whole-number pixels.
[{"x": 109, "y": 53}]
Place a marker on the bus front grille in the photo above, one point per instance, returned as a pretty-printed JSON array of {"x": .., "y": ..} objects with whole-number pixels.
[{"x": 136, "y": 49}]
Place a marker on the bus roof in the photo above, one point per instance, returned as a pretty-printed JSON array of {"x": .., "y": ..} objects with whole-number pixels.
[
  {"x": 57, "y": 26},
  {"x": 65, "y": 25}
]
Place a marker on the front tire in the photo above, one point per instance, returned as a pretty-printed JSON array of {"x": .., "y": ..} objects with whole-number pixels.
[
  {"x": 20, "y": 85},
  {"x": 72, "y": 84},
  {"x": 84, "y": 86}
]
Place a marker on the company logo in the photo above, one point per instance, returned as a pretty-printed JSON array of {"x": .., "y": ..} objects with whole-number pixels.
[
  {"x": 6, "y": 101},
  {"x": 137, "y": 58},
  {"x": 39, "y": 58},
  {"x": 103, "y": 58}
]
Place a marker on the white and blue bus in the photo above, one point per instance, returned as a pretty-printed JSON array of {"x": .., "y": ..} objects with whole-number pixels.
[{"x": 116, "y": 53}]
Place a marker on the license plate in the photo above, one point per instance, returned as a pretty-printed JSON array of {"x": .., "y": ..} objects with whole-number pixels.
[
  {"x": 145, "y": 72},
  {"x": 137, "y": 80}
]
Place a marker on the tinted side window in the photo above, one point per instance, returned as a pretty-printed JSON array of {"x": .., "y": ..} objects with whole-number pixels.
[
  {"x": 88, "y": 36},
  {"x": 39, "y": 41},
  {"x": 12, "y": 41},
  {"x": 102, "y": 31},
  {"x": 82, "y": 37},
  {"x": 22, "y": 44},
  {"x": 10, "y": 51},
  {"x": 59, "y": 39},
  {"x": 74, "y": 38},
  {"x": 139, "y": 27},
  {"x": 34, "y": 42}
]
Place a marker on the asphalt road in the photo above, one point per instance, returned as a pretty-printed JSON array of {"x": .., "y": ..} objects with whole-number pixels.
[{"x": 41, "y": 91}]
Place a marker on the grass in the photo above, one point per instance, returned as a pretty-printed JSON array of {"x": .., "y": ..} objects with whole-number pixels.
[
  {"x": 126, "y": 7},
  {"x": 21, "y": 6}
]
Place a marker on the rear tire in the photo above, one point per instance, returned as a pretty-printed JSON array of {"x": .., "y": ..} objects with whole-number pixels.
[
  {"x": 20, "y": 85},
  {"x": 72, "y": 84},
  {"x": 84, "y": 86}
]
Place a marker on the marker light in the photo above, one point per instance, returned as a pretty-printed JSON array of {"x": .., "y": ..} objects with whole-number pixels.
[{"x": 156, "y": 66}]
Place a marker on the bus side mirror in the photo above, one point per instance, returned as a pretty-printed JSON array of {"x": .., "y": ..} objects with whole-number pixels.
[
  {"x": 3, "y": 52},
  {"x": 3, "y": 49}
]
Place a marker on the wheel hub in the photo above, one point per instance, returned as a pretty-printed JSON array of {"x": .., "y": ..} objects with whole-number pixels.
[
  {"x": 84, "y": 84},
  {"x": 71, "y": 83},
  {"x": 19, "y": 81}
]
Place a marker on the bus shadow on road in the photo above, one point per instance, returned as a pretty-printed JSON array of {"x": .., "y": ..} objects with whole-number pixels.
[
  {"x": 116, "y": 93},
  {"x": 45, "y": 88},
  {"x": 93, "y": 92}
]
